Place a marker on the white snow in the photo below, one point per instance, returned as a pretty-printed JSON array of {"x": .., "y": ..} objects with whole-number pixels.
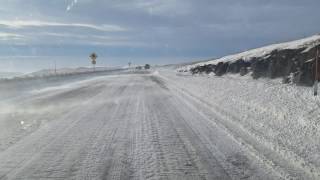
[
  {"x": 162, "y": 124},
  {"x": 70, "y": 85},
  {"x": 284, "y": 118}
]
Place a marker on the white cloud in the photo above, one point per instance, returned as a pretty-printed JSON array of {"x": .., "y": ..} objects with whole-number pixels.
[
  {"x": 26, "y": 23},
  {"x": 10, "y": 36},
  {"x": 58, "y": 38},
  {"x": 86, "y": 37}
]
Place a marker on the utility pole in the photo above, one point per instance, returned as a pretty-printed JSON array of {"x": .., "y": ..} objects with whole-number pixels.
[
  {"x": 316, "y": 73},
  {"x": 55, "y": 67}
]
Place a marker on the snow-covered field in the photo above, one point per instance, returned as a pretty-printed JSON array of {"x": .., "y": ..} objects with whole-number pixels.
[{"x": 161, "y": 125}]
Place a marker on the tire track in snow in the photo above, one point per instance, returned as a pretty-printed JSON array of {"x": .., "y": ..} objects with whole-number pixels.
[
  {"x": 166, "y": 150},
  {"x": 137, "y": 129},
  {"x": 57, "y": 133}
]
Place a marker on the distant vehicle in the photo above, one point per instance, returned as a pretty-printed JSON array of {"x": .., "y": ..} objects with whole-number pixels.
[{"x": 147, "y": 66}]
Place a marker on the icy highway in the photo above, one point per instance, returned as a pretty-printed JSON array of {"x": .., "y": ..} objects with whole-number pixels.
[{"x": 128, "y": 126}]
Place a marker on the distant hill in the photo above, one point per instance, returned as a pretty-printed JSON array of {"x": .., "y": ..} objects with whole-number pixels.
[
  {"x": 9, "y": 74},
  {"x": 48, "y": 72}
]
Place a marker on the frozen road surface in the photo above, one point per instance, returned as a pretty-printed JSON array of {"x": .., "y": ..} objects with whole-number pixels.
[{"x": 129, "y": 126}]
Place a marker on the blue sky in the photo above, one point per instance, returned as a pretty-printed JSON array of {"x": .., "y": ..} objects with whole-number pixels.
[{"x": 34, "y": 33}]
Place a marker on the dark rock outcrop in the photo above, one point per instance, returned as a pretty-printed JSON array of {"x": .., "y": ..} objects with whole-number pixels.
[
  {"x": 243, "y": 71},
  {"x": 203, "y": 69},
  {"x": 293, "y": 65},
  {"x": 235, "y": 67},
  {"x": 221, "y": 68}
]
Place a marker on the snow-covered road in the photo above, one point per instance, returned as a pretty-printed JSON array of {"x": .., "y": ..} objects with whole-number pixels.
[{"x": 134, "y": 126}]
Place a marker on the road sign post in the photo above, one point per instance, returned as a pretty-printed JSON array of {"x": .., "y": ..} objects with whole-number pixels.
[
  {"x": 93, "y": 57},
  {"x": 55, "y": 67},
  {"x": 316, "y": 74}
]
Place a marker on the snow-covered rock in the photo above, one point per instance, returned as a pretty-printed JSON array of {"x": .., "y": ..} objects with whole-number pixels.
[{"x": 278, "y": 60}]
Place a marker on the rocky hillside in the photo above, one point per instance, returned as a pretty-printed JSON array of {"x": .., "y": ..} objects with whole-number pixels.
[{"x": 292, "y": 61}]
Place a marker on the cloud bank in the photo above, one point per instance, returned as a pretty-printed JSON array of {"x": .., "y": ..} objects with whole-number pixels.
[{"x": 151, "y": 28}]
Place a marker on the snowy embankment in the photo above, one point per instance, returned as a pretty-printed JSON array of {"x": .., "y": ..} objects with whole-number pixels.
[
  {"x": 16, "y": 87},
  {"x": 47, "y": 74},
  {"x": 292, "y": 61},
  {"x": 70, "y": 71},
  {"x": 283, "y": 118},
  {"x": 8, "y": 75}
]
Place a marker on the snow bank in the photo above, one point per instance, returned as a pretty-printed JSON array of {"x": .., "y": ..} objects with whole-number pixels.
[{"x": 284, "y": 118}]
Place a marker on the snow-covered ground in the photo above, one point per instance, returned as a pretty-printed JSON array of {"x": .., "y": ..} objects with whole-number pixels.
[
  {"x": 283, "y": 118},
  {"x": 162, "y": 125}
]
